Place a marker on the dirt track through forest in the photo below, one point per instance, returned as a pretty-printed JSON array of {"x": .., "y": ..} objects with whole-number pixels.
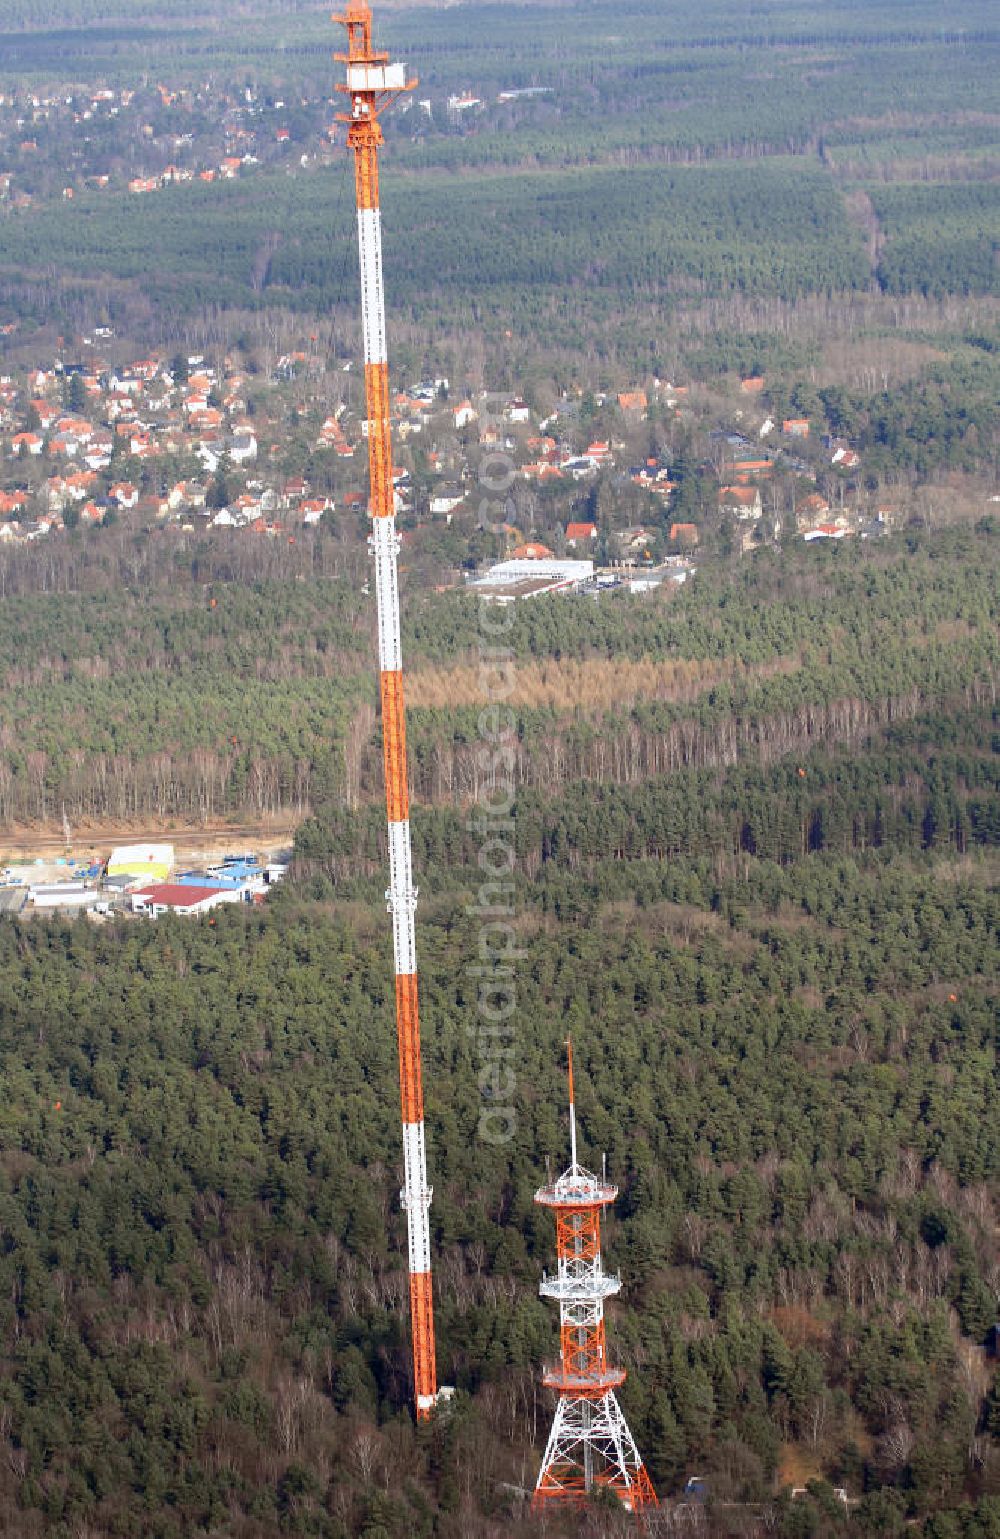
[{"x": 267, "y": 837}]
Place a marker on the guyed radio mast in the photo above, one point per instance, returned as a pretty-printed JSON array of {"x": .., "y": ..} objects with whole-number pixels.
[{"x": 372, "y": 85}]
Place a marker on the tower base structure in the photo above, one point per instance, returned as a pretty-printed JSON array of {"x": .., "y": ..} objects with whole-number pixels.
[{"x": 591, "y": 1448}]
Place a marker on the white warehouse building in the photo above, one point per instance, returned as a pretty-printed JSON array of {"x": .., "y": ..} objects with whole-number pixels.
[{"x": 529, "y": 577}]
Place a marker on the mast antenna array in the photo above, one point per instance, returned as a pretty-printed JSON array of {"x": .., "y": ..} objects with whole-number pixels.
[{"x": 372, "y": 85}]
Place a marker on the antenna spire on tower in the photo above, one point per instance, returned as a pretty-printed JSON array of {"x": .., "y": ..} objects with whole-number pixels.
[{"x": 572, "y": 1103}]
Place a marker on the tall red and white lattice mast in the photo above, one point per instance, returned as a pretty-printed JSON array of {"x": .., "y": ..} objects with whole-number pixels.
[
  {"x": 590, "y": 1445},
  {"x": 372, "y": 85}
]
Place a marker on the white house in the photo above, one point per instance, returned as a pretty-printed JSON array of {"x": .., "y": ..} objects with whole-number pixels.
[
  {"x": 243, "y": 447},
  {"x": 446, "y": 500}
]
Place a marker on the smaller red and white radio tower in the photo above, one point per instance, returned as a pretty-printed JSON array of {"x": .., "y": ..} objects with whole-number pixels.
[{"x": 590, "y": 1446}]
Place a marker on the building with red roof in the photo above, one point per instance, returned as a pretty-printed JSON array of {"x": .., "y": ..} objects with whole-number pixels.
[{"x": 179, "y": 898}]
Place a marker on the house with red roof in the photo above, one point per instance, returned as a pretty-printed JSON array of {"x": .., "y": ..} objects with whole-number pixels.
[
  {"x": 684, "y": 534},
  {"x": 743, "y": 502},
  {"x": 540, "y": 470},
  {"x": 653, "y": 477},
  {"x": 532, "y": 550},
  {"x": 811, "y": 510},
  {"x": 813, "y": 504},
  {"x": 97, "y": 455},
  {"x": 826, "y": 532},
  {"x": 185, "y": 494},
  {"x": 746, "y": 470},
  {"x": 124, "y": 494},
  {"x": 47, "y": 413},
  {"x": 178, "y": 898},
  {"x": 313, "y": 508},
  {"x": 118, "y": 404}
]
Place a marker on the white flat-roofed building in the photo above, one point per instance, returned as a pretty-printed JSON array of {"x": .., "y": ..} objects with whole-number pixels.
[
  {"x": 63, "y": 895},
  {"x": 531, "y": 577}
]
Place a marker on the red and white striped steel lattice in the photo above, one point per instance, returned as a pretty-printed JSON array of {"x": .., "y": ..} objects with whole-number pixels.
[
  {"x": 590, "y": 1445},
  {"x": 372, "y": 85}
]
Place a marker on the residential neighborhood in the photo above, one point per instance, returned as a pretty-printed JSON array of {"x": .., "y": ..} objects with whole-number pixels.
[
  {"x": 70, "y": 141},
  {"x": 95, "y": 437},
  {"x": 251, "y": 440}
]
